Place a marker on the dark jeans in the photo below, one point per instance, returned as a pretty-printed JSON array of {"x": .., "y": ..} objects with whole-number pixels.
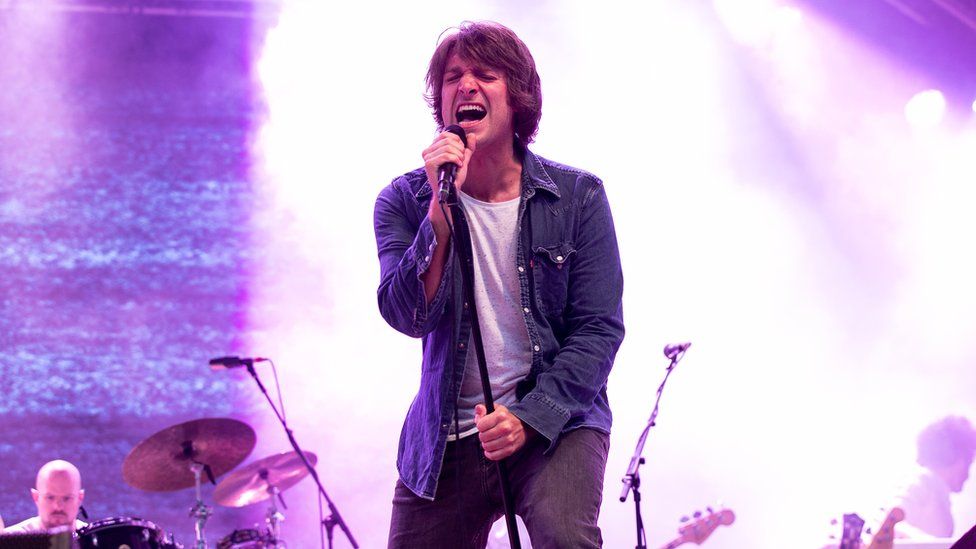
[{"x": 558, "y": 496}]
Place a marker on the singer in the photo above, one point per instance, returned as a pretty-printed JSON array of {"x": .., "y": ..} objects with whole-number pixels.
[{"x": 547, "y": 285}]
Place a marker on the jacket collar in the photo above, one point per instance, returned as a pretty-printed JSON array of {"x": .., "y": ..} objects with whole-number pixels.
[{"x": 534, "y": 176}]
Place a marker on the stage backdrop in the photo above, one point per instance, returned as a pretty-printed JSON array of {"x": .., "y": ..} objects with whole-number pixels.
[{"x": 125, "y": 194}]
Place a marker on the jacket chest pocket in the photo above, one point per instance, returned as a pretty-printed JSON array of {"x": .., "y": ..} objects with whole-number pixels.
[{"x": 550, "y": 271}]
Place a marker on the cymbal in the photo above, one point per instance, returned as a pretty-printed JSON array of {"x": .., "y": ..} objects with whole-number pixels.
[
  {"x": 161, "y": 463},
  {"x": 253, "y": 482}
]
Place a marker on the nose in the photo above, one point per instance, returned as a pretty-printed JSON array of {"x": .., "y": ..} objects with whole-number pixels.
[{"x": 467, "y": 86}]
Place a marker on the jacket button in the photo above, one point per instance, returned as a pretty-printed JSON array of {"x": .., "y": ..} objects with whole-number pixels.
[
  {"x": 521, "y": 269},
  {"x": 537, "y": 348},
  {"x": 461, "y": 346}
]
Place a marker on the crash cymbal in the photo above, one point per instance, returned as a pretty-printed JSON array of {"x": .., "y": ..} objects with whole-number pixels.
[
  {"x": 253, "y": 482},
  {"x": 161, "y": 463}
]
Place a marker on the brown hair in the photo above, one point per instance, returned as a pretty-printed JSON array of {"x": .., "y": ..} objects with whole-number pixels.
[{"x": 498, "y": 48}]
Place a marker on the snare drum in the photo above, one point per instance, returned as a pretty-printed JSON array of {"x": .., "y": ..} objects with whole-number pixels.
[
  {"x": 245, "y": 539},
  {"x": 122, "y": 533}
]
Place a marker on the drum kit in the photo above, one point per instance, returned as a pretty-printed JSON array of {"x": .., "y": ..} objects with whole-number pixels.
[{"x": 183, "y": 456}]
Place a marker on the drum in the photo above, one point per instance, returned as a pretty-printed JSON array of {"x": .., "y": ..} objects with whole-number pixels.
[
  {"x": 245, "y": 539},
  {"x": 122, "y": 533}
]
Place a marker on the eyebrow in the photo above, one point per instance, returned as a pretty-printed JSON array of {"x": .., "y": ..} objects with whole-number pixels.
[{"x": 477, "y": 68}]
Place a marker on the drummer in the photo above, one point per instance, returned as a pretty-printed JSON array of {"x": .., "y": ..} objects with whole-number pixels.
[{"x": 58, "y": 496}]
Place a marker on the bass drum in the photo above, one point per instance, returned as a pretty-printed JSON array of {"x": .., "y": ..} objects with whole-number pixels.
[
  {"x": 245, "y": 539},
  {"x": 123, "y": 533}
]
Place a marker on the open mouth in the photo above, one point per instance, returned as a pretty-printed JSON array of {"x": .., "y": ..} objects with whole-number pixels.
[{"x": 470, "y": 112}]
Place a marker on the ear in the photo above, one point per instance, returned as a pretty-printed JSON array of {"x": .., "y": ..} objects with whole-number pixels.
[
  {"x": 35, "y": 494},
  {"x": 81, "y": 496}
]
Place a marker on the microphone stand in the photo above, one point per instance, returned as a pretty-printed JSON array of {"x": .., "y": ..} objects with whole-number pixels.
[
  {"x": 631, "y": 479},
  {"x": 462, "y": 240},
  {"x": 334, "y": 517}
]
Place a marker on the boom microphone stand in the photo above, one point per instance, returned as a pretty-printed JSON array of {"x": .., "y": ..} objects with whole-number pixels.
[
  {"x": 334, "y": 517},
  {"x": 631, "y": 479}
]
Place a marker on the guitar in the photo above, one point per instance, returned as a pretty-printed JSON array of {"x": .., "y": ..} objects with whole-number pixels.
[
  {"x": 698, "y": 530},
  {"x": 884, "y": 538},
  {"x": 851, "y": 537}
]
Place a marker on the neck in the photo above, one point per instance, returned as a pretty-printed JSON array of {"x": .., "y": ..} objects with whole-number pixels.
[{"x": 494, "y": 174}]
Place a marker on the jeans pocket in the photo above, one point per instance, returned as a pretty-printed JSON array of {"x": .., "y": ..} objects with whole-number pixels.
[{"x": 551, "y": 267}]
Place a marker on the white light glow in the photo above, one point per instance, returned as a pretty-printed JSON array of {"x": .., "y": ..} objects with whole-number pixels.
[
  {"x": 756, "y": 22},
  {"x": 925, "y": 109},
  {"x": 786, "y": 223}
]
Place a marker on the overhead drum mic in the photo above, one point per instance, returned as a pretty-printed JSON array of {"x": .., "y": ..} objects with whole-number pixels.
[
  {"x": 228, "y": 362},
  {"x": 447, "y": 172}
]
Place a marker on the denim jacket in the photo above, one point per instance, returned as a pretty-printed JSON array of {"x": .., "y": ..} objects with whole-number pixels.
[{"x": 571, "y": 286}]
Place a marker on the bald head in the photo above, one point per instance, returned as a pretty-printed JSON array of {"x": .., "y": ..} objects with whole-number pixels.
[{"x": 58, "y": 493}]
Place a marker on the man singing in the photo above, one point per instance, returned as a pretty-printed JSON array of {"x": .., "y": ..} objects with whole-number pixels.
[{"x": 547, "y": 291}]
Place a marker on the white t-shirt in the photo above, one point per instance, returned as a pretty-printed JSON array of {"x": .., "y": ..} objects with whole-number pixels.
[
  {"x": 508, "y": 354},
  {"x": 33, "y": 524}
]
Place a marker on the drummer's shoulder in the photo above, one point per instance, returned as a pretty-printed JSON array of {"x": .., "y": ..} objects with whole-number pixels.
[{"x": 33, "y": 524}]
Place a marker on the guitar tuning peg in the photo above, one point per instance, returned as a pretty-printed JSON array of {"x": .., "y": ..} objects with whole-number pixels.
[{"x": 697, "y": 514}]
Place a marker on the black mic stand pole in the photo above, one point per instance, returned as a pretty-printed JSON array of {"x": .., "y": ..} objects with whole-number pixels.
[
  {"x": 631, "y": 479},
  {"x": 334, "y": 517},
  {"x": 462, "y": 246}
]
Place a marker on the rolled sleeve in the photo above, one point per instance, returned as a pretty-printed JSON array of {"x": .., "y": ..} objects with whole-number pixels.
[{"x": 405, "y": 241}]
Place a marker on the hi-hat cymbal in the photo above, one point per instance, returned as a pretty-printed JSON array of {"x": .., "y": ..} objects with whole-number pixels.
[
  {"x": 254, "y": 482},
  {"x": 161, "y": 463}
]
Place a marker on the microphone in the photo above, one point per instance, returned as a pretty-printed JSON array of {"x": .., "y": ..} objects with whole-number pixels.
[
  {"x": 446, "y": 173},
  {"x": 228, "y": 362},
  {"x": 673, "y": 349}
]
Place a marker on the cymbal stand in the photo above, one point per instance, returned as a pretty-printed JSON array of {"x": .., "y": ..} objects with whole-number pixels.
[
  {"x": 274, "y": 516},
  {"x": 200, "y": 512}
]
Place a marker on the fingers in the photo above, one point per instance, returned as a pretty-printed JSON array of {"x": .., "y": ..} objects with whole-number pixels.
[
  {"x": 501, "y": 432},
  {"x": 446, "y": 148}
]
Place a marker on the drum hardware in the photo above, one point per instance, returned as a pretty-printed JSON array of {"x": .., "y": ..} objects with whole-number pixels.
[
  {"x": 131, "y": 532},
  {"x": 261, "y": 480},
  {"x": 177, "y": 457},
  {"x": 200, "y": 512}
]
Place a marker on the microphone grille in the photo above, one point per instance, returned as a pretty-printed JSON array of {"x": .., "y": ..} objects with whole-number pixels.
[{"x": 458, "y": 131}]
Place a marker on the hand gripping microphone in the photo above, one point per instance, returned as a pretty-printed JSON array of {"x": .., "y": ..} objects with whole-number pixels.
[{"x": 447, "y": 172}]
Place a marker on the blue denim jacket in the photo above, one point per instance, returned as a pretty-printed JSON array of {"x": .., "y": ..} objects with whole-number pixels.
[{"x": 571, "y": 286}]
